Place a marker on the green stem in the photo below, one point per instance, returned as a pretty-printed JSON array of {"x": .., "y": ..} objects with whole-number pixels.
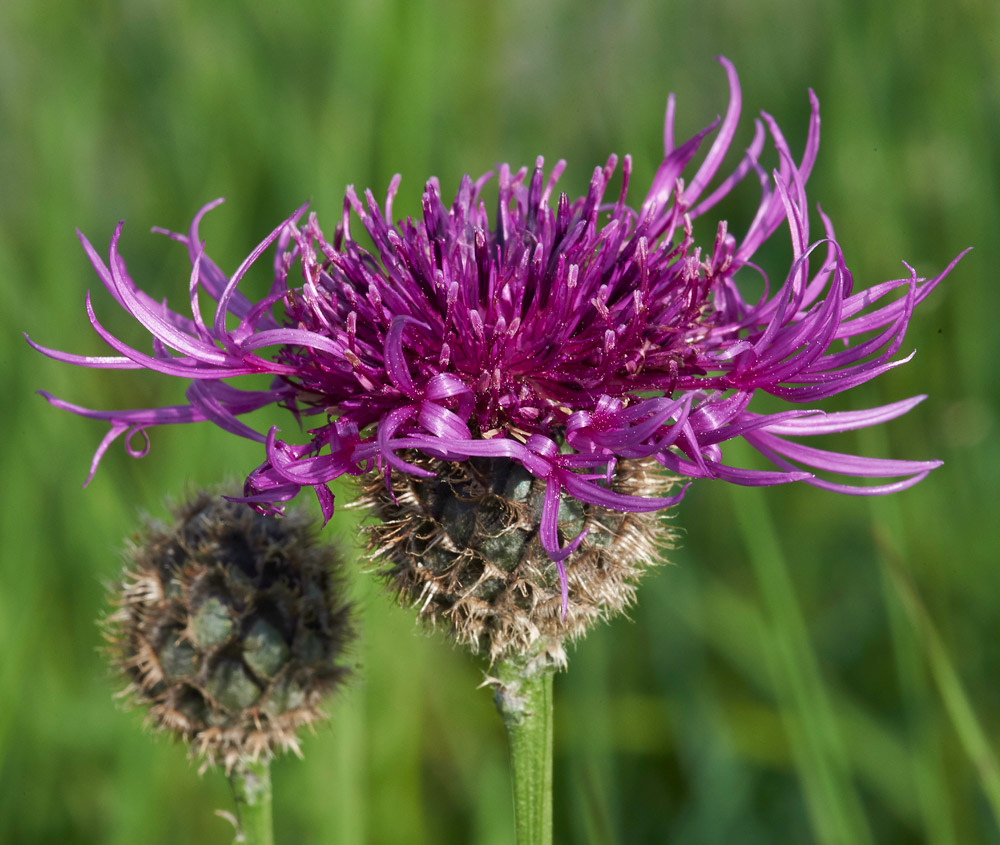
[
  {"x": 251, "y": 784},
  {"x": 524, "y": 698}
]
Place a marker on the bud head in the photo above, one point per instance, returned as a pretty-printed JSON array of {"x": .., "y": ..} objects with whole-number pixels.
[{"x": 229, "y": 625}]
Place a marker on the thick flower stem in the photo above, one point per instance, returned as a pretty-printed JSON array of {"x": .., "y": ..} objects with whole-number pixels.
[
  {"x": 524, "y": 698},
  {"x": 251, "y": 784}
]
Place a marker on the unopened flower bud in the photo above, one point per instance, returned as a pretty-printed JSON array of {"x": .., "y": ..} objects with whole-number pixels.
[{"x": 229, "y": 625}]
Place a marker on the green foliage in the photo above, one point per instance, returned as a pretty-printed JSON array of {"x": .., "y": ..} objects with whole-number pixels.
[{"x": 778, "y": 684}]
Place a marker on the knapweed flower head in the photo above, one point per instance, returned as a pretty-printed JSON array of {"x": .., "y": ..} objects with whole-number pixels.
[
  {"x": 568, "y": 337},
  {"x": 230, "y": 627}
]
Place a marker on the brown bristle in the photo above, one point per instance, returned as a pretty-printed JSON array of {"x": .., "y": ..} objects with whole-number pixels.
[{"x": 463, "y": 547}]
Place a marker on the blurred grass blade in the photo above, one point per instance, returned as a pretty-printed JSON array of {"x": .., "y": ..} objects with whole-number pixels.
[
  {"x": 956, "y": 702},
  {"x": 595, "y": 815},
  {"x": 877, "y": 753},
  {"x": 924, "y": 726},
  {"x": 822, "y": 760}
]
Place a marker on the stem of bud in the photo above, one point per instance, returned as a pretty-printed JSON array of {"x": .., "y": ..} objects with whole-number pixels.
[{"x": 251, "y": 785}]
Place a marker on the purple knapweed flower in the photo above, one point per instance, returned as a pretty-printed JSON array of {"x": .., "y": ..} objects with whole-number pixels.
[{"x": 565, "y": 335}]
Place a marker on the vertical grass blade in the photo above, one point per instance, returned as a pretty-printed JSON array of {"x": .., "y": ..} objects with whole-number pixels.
[
  {"x": 946, "y": 679},
  {"x": 821, "y": 758}
]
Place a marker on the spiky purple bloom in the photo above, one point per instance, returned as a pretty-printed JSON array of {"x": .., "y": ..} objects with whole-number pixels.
[{"x": 566, "y": 337}]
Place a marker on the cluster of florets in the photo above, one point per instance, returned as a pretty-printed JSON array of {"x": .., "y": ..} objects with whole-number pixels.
[{"x": 567, "y": 336}]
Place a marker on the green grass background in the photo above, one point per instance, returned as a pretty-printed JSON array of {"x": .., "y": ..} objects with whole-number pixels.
[{"x": 814, "y": 668}]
